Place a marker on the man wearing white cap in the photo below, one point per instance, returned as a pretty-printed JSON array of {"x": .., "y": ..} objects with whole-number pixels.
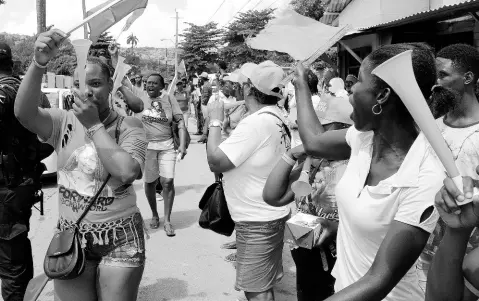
[{"x": 246, "y": 158}]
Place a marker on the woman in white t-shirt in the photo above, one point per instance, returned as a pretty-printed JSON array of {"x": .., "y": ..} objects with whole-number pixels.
[
  {"x": 386, "y": 195},
  {"x": 246, "y": 158}
]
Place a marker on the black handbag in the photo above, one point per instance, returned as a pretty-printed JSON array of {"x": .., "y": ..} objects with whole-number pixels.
[
  {"x": 214, "y": 210},
  {"x": 65, "y": 258}
]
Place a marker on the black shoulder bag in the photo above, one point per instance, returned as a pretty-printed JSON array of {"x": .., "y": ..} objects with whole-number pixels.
[
  {"x": 214, "y": 210},
  {"x": 65, "y": 258}
]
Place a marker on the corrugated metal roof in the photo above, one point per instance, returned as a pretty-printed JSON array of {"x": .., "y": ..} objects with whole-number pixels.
[
  {"x": 333, "y": 9},
  {"x": 421, "y": 16}
]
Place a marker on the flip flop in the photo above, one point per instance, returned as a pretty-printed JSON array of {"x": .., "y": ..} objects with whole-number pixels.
[
  {"x": 229, "y": 245},
  {"x": 155, "y": 222},
  {"x": 169, "y": 230}
]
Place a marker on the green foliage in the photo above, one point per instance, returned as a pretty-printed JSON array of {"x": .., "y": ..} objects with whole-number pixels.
[
  {"x": 248, "y": 24},
  {"x": 100, "y": 48},
  {"x": 2, "y": 2},
  {"x": 200, "y": 45},
  {"x": 133, "y": 40},
  {"x": 313, "y": 9}
]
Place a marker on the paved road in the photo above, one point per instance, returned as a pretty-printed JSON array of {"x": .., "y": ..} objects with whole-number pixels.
[{"x": 187, "y": 267}]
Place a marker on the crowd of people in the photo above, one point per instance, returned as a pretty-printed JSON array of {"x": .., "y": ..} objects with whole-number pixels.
[{"x": 392, "y": 223}]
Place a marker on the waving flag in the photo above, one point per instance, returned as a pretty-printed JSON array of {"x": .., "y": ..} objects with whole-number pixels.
[
  {"x": 182, "y": 67},
  {"x": 297, "y": 35},
  {"x": 113, "y": 15}
]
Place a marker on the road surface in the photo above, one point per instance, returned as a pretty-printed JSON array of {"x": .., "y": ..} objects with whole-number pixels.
[{"x": 187, "y": 267}]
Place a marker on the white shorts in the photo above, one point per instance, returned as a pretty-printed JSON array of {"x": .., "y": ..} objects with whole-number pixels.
[{"x": 159, "y": 163}]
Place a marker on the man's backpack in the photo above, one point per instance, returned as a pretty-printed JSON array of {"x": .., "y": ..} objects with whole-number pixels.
[{"x": 21, "y": 151}]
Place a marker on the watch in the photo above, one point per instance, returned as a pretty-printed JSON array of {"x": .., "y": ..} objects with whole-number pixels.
[{"x": 215, "y": 123}]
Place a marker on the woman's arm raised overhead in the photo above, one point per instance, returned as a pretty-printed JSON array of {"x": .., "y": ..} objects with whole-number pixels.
[{"x": 330, "y": 145}]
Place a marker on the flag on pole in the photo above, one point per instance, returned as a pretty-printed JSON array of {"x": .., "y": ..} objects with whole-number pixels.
[
  {"x": 182, "y": 67},
  {"x": 172, "y": 86},
  {"x": 294, "y": 34},
  {"x": 135, "y": 15},
  {"x": 113, "y": 15}
]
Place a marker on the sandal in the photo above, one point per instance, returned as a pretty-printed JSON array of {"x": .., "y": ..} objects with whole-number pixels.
[
  {"x": 231, "y": 258},
  {"x": 169, "y": 230},
  {"x": 229, "y": 245},
  {"x": 155, "y": 222}
]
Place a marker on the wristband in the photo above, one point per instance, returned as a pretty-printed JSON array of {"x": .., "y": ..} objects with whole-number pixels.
[
  {"x": 34, "y": 61},
  {"x": 288, "y": 159},
  {"x": 93, "y": 130}
]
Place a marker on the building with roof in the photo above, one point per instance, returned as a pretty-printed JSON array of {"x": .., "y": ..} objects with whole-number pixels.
[{"x": 380, "y": 22}]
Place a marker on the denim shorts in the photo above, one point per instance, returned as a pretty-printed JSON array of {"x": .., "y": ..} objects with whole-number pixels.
[
  {"x": 122, "y": 245},
  {"x": 259, "y": 257}
]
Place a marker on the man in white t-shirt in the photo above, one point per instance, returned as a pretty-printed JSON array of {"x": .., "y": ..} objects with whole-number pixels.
[
  {"x": 246, "y": 159},
  {"x": 458, "y": 72}
]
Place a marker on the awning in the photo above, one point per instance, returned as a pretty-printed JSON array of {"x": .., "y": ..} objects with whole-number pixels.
[
  {"x": 333, "y": 9},
  {"x": 441, "y": 13}
]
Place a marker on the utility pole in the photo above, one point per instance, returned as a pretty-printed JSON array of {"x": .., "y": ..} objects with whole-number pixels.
[
  {"x": 176, "y": 44},
  {"x": 166, "y": 61},
  {"x": 85, "y": 28}
]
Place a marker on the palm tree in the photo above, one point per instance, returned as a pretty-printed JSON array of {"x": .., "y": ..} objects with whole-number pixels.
[
  {"x": 41, "y": 16},
  {"x": 133, "y": 40}
]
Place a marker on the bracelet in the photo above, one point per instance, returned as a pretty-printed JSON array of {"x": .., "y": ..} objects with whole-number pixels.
[
  {"x": 288, "y": 159},
  {"x": 34, "y": 61},
  {"x": 216, "y": 123},
  {"x": 93, "y": 130}
]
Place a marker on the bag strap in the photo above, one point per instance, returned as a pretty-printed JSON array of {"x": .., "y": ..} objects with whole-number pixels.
[
  {"x": 284, "y": 125},
  {"x": 93, "y": 199}
]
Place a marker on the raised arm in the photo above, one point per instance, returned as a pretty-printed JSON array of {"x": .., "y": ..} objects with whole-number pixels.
[
  {"x": 134, "y": 102},
  {"x": 330, "y": 145},
  {"x": 29, "y": 95},
  {"x": 446, "y": 275}
]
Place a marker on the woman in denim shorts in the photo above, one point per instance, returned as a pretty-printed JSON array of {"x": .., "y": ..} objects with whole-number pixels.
[
  {"x": 85, "y": 140},
  {"x": 246, "y": 158}
]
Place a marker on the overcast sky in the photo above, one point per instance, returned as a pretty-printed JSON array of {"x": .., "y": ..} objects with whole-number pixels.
[{"x": 19, "y": 16}]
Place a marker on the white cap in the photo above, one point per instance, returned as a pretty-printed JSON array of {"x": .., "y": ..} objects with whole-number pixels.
[
  {"x": 247, "y": 69},
  {"x": 204, "y": 75},
  {"x": 233, "y": 76},
  {"x": 266, "y": 77}
]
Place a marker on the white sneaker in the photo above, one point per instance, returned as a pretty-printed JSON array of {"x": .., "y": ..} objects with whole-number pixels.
[{"x": 159, "y": 197}]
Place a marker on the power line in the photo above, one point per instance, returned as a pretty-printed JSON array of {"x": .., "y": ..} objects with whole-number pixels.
[
  {"x": 216, "y": 11},
  {"x": 236, "y": 13},
  {"x": 272, "y": 3},
  {"x": 257, "y": 4}
]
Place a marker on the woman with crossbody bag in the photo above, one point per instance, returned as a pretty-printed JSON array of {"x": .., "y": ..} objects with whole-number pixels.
[{"x": 111, "y": 233}]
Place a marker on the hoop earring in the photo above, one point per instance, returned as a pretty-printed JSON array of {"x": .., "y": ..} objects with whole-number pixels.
[{"x": 380, "y": 109}]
